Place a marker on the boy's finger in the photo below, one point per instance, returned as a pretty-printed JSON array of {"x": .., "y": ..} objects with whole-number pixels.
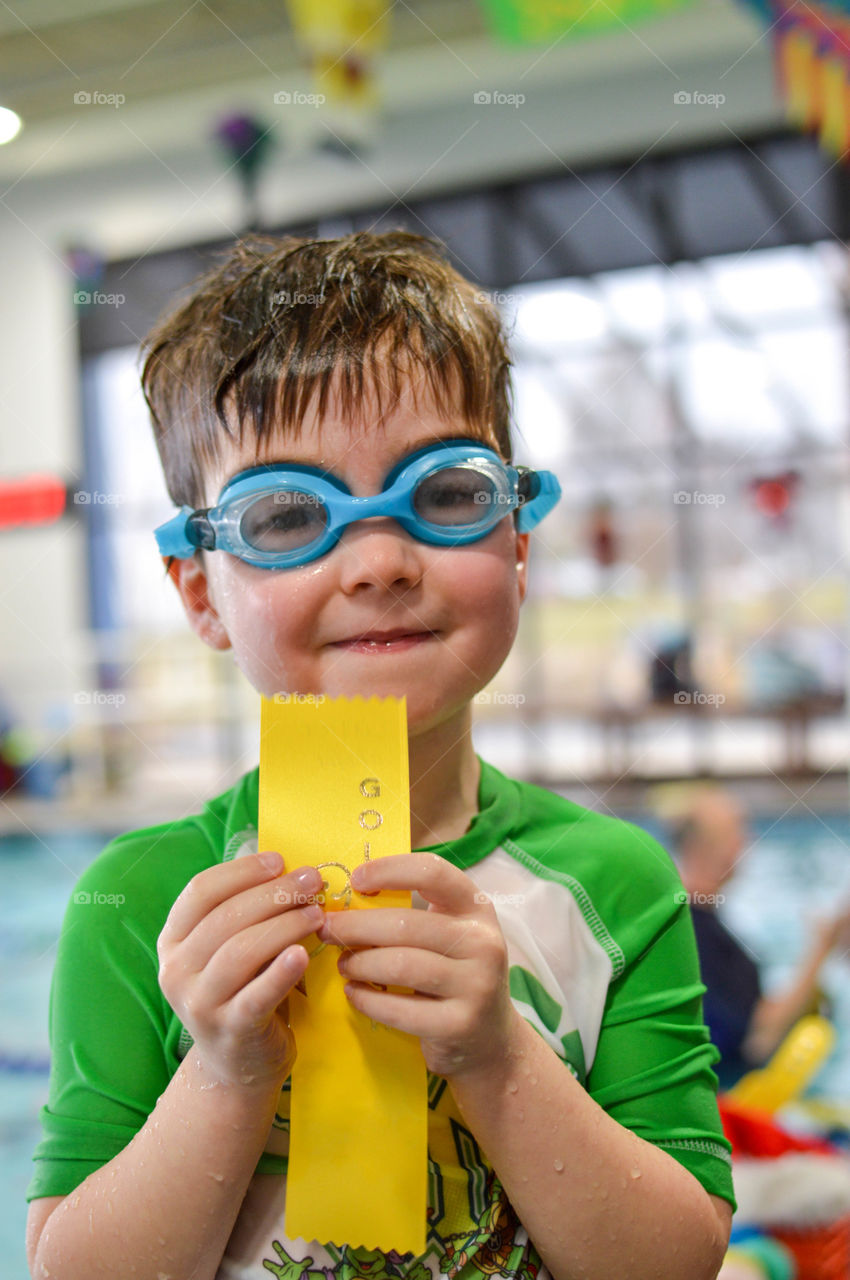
[
  {"x": 399, "y": 927},
  {"x": 425, "y": 972},
  {"x": 437, "y": 881},
  {"x": 263, "y": 995},
  {"x": 215, "y": 886},
  {"x": 244, "y": 956}
]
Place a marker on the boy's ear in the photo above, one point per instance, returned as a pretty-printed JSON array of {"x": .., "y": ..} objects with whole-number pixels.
[
  {"x": 190, "y": 579},
  {"x": 522, "y": 544}
]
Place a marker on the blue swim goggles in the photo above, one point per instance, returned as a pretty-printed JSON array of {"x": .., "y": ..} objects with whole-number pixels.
[{"x": 281, "y": 515}]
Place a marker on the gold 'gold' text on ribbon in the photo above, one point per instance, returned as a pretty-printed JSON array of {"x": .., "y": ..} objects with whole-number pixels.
[{"x": 334, "y": 792}]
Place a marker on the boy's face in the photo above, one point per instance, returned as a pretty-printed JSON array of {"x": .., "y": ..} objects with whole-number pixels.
[{"x": 381, "y": 613}]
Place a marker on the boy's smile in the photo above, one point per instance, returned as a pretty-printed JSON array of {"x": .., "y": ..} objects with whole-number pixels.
[{"x": 445, "y": 616}]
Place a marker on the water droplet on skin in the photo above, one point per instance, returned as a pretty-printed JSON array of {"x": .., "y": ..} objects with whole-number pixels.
[
  {"x": 634, "y": 1173},
  {"x": 219, "y": 1177},
  {"x": 532, "y": 1079},
  {"x": 559, "y": 1166},
  {"x": 512, "y": 1086}
]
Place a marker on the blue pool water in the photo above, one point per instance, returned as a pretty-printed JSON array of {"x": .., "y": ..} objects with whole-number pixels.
[{"x": 795, "y": 869}]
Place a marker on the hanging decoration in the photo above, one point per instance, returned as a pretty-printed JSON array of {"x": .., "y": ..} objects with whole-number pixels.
[
  {"x": 245, "y": 142},
  {"x": 534, "y": 21},
  {"x": 774, "y": 496},
  {"x": 602, "y": 534},
  {"x": 811, "y": 44},
  {"x": 87, "y": 267},
  {"x": 342, "y": 42}
]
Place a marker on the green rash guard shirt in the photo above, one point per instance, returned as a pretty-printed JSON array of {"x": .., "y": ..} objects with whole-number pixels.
[{"x": 603, "y": 965}]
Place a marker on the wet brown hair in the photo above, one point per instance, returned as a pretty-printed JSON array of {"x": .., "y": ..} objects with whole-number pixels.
[{"x": 279, "y": 321}]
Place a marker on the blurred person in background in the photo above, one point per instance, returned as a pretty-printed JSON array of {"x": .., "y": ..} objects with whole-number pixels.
[{"x": 710, "y": 838}]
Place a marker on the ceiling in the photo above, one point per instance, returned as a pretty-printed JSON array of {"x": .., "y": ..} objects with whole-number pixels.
[
  {"x": 143, "y": 48},
  {"x": 149, "y": 173}
]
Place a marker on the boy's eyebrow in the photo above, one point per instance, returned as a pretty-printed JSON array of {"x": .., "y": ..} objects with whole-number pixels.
[{"x": 420, "y": 443}]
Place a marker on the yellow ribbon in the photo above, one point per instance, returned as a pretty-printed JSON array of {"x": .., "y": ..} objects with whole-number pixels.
[{"x": 334, "y": 792}]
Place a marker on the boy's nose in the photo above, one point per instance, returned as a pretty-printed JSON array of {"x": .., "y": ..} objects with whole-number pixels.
[{"x": 378, "y": 552}]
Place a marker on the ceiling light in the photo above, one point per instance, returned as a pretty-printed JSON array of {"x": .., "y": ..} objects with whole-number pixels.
[{"x": 10, "y": 125}]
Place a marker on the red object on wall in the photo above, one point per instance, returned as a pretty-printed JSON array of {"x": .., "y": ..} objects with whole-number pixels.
[{"x": 31, "y": 500}]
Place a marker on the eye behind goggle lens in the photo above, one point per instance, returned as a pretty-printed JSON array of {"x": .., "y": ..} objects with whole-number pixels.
[
  {"x": 284, "y": 521},
  {"x": 457, "y": 496}
]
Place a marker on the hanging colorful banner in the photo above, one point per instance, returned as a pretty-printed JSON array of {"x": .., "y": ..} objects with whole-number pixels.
[
  {"x": 812, "y": 61},
  {"x": 334, "y": 792},
  {"x": 534, "y": 21},
  {"x": 343, "y": 39}
]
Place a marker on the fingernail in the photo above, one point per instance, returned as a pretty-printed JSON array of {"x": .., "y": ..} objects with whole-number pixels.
[
  {"x": 356, "y": 876},
  {"x": 308, "y": 877},
  {"x": 271, "y": 861}
]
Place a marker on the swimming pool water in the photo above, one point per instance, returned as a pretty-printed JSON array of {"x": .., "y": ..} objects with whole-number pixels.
[{"x": 794, "y": 870}]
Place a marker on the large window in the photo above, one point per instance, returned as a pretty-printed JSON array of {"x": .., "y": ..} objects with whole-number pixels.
[{"x": 693, "y": 576}]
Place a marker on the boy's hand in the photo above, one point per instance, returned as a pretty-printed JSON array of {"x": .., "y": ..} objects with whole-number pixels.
[
  {"x": 229, "y": 956},
  {"x": 453, "y": 956}
]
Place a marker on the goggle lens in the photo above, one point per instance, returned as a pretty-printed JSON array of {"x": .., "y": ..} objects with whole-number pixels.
[
  {"x": 454, "y": 496},
  {"x": 288, "y": 520}
]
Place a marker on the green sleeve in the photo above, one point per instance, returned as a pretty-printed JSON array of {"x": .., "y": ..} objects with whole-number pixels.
[
  {"x": 652, "y": 1070},
  {"x": 112, "y": 1034}
]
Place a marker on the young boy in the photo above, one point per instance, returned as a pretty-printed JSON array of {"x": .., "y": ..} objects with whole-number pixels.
[{"x": 573, "y": 1130}]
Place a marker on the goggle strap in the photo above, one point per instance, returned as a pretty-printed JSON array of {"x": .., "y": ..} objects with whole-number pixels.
[
  {"x": 171, "y": 537},
  {"x": 199, "y": 530},
  {"x": 548, "y": 491}
]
